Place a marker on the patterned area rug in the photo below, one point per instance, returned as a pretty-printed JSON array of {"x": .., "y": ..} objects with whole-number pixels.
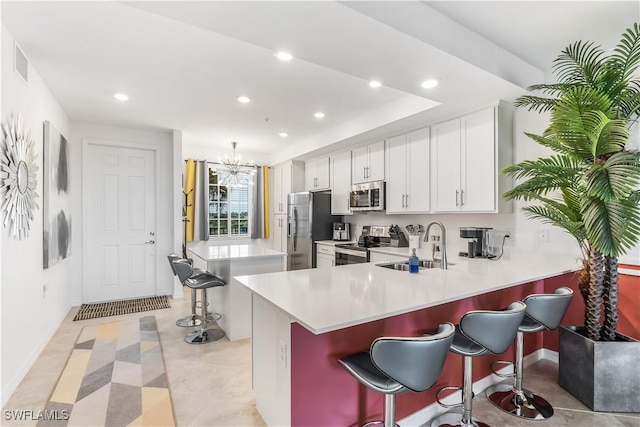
[
  {"x": 115, "y": 376},
  {"x": 115, "y": 308}
]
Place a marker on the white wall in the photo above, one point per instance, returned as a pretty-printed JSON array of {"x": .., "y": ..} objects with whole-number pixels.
[
  {"x": 165, "y": 182},
  {"x": 30, "y": 317}
]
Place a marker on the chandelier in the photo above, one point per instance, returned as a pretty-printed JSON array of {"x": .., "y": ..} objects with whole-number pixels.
[{"x": 237, "y": 174}]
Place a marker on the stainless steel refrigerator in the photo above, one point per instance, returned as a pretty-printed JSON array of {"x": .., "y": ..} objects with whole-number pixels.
[{"x": 308, "y": 219}]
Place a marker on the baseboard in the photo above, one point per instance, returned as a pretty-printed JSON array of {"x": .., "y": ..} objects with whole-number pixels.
[
  {"x": 13, "y": 384},
  {"x": 550, "y": 355},
  {"x": 427, "y": 413}
]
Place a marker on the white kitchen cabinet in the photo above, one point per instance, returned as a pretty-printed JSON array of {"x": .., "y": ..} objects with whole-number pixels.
[
  {"x": 287, "y": 178},
  {"x": 280, "y": 233},
  {"x": 367, "y": 163},
  {"x": 340, "y": 183},
  {"x": 467, "y": 155},
  {"x": 316, "y": 174},
  {"x": 325, "y": 255},
  {"x": 408, "y": 173}
]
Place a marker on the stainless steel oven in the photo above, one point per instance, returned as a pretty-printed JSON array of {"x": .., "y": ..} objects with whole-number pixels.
[{"x": 350, "y": 254}]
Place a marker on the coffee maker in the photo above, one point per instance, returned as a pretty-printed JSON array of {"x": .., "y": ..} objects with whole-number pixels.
[
  {"x": 478, "y": 245},
  {"x": 341, "y": 231}
]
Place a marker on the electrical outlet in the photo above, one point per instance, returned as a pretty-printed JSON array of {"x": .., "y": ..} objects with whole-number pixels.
[{"x": 282, "y": 356}]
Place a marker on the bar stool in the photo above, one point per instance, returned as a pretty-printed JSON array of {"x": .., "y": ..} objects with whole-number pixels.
[
  {"x": 193, "y": 319},
  {"x": 202, "y": 281},
  {"x": 479, "y": 333},
  {"x": 543, "y": 312},
  {"x": 397, "y": 365}
]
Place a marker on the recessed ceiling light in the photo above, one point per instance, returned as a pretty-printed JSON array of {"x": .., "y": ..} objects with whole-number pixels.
[
  {"x": 318, "y": 115},
  {"x": 375, "y": 83},
  {"x": 429, "y": 84},
  {"x": 283, "y": 134},
  {"x": 244, "y": 99},
  {"x": 121, "y": 97},
  {"x": 284, "y": 56}
]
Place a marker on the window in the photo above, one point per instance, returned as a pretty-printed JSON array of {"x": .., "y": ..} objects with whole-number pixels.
[{"x": 228, "y": 207}]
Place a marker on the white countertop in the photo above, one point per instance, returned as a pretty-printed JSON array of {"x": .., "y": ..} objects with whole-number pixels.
[
  {"x": 212, "y": 252},
  {"x": 328, "y": 299}
]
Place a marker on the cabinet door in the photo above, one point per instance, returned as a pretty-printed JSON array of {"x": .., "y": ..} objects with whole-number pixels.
[
  {"x": 310, "y": 175},
  {"x": 280, "y": 233},
  {"x": 397, "y": 174},
  {"x": 322, "y": 174},
  {"x": 376, "y": 162},
  {"x": 445, "y": 167},
  {"x": 340, "y": 183},
  {"x": 418, "y": 163},
  {"x": 478, "y": 162},
  {"x": 324, "y": 261},
  {"x": 359, "y": 165},
  {"x": 287, "y": 171},
  {"x": 278, "y": 205}
]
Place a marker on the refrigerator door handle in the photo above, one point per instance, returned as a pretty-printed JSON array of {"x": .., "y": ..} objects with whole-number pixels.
[{"x": 295, "y": 228}]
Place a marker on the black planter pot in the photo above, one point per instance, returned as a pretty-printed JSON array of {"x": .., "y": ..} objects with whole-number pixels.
[{"x": 604, "y": 375}]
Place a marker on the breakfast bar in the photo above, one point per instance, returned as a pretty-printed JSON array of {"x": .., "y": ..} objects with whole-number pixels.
[
  {"x": 233, "y": 302},
  {"x": 305, "y": 320}
]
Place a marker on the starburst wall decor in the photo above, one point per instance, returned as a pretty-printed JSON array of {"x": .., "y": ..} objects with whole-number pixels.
[{"x": 18, "y": 178}]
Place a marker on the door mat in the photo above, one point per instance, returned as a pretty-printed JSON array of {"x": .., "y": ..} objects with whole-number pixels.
[
  {"x": 115, "y": 376},
  {"x": 115, "y": 308}
]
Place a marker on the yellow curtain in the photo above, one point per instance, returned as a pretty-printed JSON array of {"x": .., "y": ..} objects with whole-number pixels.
[
  {"x": 265, "y": 181},
  {"x": 189, "y": 188}
]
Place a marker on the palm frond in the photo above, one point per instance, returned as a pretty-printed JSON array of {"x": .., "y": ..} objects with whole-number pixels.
[
  {"x": 536, "y": 103},
  {"x": 611, "y": 227},
  {"x": 551, "y": 141},
  {"x": 627, "y": 53},
  {"x": 579, "y": 63},
  {"x": 554, "y": 89},
  {"x": 549, "y": 215},
  {"x": 607, "y": 136}
]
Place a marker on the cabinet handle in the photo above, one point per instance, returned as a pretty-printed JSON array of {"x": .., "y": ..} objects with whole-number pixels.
[
  {"x": 403, "y": 200},
  {"x": 406, "y": 205},
  {"x": 364, "y": 171},
  {"x": 368, "y": 175},
  {"x": 461, "y": 197},
  {"x": 457, "y": 204}
]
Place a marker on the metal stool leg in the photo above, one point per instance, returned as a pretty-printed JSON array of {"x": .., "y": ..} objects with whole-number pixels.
[
  {"x": 203, "y": 335},
  {"x": 389, "y": 413},
  {"x": 451, "y": 419},
  {"x": 193, "y": 319},
  {"x": 516, "y": 400}
]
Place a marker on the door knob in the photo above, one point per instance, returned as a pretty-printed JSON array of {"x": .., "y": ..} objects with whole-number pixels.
[{"x": 150, "y": 242}]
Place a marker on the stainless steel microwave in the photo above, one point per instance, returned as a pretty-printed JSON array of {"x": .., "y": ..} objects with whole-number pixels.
[{"x": 368, "y": 196}]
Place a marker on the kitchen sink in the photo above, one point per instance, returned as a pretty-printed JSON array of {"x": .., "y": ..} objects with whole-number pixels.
[{"x": 404, "y": 266}]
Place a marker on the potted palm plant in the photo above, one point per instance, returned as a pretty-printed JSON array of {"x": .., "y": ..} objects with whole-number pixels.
[{"x": 589, "y": 188}]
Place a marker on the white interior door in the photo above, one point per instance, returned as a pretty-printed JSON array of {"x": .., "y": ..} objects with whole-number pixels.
[{"x": 120, "y": 223}]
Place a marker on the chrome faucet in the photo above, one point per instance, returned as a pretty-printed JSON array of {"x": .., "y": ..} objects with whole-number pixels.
[{"x": 443, "y": 263}]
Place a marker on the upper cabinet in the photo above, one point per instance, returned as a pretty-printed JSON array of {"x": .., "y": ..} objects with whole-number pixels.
[
  {"x": 408, "y": 173},
  {"x": 340, "y": 183},
  {"x": 316, "y": 174},
  {"x": 287, "y": 178},
  {"x": 467, "y": 155},
  {"x": 367, "y": 163}
]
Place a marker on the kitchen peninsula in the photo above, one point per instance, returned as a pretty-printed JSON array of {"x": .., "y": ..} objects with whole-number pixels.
[
  {"x": 233, "y": 301},
  {"x": 305, "y": 320}
]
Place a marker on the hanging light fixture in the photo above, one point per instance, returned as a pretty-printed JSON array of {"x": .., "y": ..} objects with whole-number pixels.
[{"x": 237, "y": 173}]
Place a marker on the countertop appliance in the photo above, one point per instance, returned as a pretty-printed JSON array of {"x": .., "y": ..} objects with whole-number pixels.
[
  {"x": 308, "y": 219},
  {"x": 367, "y": 197},
  {"x": 341, "y": 231},
  {"x": 478, "y": 245},
  {"x": 373, "y": 236}
]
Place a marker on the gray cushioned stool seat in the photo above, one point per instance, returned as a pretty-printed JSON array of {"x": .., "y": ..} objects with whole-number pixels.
[{"x": 397, "y": 365}]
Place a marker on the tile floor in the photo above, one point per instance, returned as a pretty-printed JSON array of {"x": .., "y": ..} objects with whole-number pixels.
[{"x": 211, "y": 384}]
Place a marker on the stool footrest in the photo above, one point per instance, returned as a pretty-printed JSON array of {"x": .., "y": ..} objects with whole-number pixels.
[
  {"x": 494, "y": 368},
  {"x": 447, "y": 405}
]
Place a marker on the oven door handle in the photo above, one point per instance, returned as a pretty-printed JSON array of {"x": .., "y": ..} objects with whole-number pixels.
[{"x": 351, "y": 252}]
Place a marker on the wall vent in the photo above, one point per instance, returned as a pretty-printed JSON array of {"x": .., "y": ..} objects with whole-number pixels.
[{"x": 20, "y": 63}]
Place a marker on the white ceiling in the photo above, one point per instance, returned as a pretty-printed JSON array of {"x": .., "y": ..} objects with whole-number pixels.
[{"x": 183, "y": 64}]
